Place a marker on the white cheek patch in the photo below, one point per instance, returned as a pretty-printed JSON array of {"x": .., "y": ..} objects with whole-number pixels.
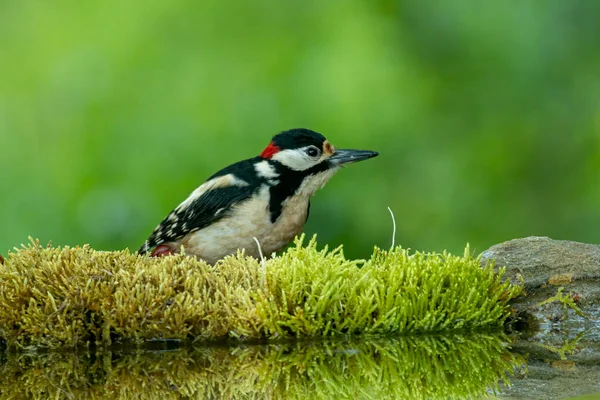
[{"x": 296, "y": 160}]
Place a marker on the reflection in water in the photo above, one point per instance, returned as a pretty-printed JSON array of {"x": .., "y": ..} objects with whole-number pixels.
[{"x": 401, "y": 367}]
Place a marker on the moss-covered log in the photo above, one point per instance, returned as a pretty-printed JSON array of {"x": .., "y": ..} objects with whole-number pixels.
[{"x": 55, "y": 297}]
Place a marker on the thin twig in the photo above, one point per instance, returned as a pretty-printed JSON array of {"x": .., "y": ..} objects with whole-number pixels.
[
  {"x": 394, "y": 231},
  {"x": 264, "y": 265}
]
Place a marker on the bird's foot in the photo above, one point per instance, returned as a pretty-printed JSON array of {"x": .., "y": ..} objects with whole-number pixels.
[{"x": 162, "y": 250}]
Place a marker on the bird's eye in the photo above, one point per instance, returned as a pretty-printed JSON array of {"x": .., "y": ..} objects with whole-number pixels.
[{"x": 312, "y": 151}]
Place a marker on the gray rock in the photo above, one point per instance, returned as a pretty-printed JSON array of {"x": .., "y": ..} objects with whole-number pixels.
[
  {"x": 548, "y": 267},
  {"x": 541, "y": 260},
  {"x": 559, "y": 341}
]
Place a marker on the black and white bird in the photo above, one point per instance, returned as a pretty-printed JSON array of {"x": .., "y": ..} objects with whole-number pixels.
[{"x": 265, "y": 197}]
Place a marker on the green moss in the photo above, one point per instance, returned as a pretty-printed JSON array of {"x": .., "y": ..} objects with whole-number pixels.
[
  {"x": 566, "y": 300},
  {"x": 55, "y": 297},
  {"x": 427, "y": 367},
  {"x": 568, "y": 347}
]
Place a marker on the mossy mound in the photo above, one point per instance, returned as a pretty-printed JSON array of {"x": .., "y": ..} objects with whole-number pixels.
[
  {"x": 423, "y": 367},
  {"x": 55, "y": 297}
]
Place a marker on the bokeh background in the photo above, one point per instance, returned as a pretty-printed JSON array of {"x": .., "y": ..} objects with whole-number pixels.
[{"x": 486, "y": 114}]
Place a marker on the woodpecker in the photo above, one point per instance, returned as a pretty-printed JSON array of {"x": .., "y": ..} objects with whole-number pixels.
[{"x": 266, "y": 197}]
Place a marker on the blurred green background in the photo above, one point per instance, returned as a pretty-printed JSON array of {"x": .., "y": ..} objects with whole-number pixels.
[{"x": 486, "y": 114}]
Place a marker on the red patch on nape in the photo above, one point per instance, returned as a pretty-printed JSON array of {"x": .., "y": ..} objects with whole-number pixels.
[
  {"x": 162, "y": 250},
  {"x": 270, "y": 151}
]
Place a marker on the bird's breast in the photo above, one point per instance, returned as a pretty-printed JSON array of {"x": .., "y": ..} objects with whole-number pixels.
[{"x": 248, "y": 220}]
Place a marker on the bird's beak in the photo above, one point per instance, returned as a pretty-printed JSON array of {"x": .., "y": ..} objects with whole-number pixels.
[{"x": 347, "y": 156}]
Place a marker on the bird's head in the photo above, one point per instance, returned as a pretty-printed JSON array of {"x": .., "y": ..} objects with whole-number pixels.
[
  {"x": 308, "y": 154},
  {"x": 303, "y": 150}
]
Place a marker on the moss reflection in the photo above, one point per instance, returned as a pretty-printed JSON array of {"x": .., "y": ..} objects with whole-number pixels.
[{"x": 401, "y": 367}]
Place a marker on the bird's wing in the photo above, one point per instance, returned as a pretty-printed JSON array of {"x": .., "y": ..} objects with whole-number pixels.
[{"x": 209, "y": 203}]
